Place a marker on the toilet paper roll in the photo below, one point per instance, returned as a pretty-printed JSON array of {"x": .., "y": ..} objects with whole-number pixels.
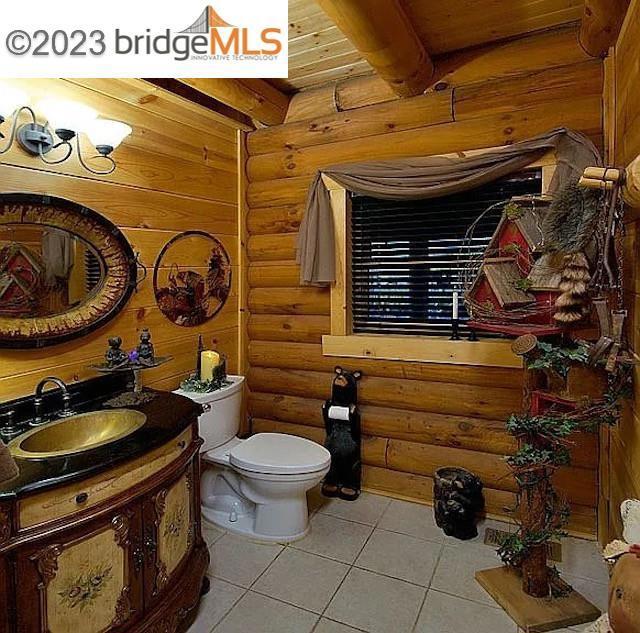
[{"x": 339, "y": 413}]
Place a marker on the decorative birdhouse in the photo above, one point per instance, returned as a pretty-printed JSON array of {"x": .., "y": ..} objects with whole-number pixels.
[
  {"x": 20, "y": 275},
  {"x": 518, "y": 235},
  {"x": 499, "y": 287},
  {"x": 516, "y": 277}
]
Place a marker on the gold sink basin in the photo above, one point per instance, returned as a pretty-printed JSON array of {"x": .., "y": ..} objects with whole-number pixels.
[{"x": 77, "y": 434}]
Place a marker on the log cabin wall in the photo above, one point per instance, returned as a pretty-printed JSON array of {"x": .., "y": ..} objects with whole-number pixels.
[
  {"x": 622, "y": 100},
  {"x": 177, "y": 172},
  {"x": 416, "y": 417}
]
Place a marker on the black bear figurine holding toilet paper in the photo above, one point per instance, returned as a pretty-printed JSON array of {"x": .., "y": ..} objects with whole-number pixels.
[{"x": 342, "y": 423}]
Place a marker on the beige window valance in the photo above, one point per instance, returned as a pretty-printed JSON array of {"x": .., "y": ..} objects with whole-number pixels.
[{"x": 428, "y": 177}]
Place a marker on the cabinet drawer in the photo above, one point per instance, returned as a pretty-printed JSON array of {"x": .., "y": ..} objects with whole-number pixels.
[{"x": 55, "y": 504}]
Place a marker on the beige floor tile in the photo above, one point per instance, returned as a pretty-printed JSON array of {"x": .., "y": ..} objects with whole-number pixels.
[
  {"x": 211, "y": 533},
  {"x": 442, "y": 613},
  {"x": 455, "y": 573},
  {"x": 483, "y": 525},
  {"x": 302, "y": 579},
  {"x": 329, "y": 626},
  {"x": 335, "y": 538},
  {"x": 400, "y": 556},
  {"x": 367, "y": 508},
  {"x": 583, "y": 559},
  {"x": 239, "y": 560},
  {"x": 215, "y": 605},
  {"x": 259, "y": 614},
  {"x": 412, "y": 519},
  {"x": 597, "y": 593},
  {"x": 376, "y": 603}
]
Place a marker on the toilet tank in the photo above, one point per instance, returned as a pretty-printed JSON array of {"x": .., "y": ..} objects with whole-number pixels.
[{"x": 220, "y": 422}]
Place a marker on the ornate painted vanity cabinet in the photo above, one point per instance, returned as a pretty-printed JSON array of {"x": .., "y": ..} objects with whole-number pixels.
[{"x": 117, "y": 551}]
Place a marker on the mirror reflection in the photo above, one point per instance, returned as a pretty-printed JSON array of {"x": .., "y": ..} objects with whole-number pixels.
[{"x": 45, "y": 271}]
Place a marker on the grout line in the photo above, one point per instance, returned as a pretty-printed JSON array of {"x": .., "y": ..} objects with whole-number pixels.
[
  {"x": 351, "y": 566},
  {"x": 291, "y": 604},
  {"x": 381, "y": 573},
  {"x": 495, "y": 605},
  {"x": 224, "y": 617},
  {"x": 413, "y": 536},
  {"x": 433, "y": 574},
  {"x": 235, "y": 602},
  {"x": 268, "y": 567}
]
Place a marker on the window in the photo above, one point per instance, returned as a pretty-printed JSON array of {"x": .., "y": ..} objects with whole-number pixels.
[{"x": 406, "y": 258}]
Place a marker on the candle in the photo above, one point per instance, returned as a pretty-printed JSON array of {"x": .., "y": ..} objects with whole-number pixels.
[
  {"x": 455, "y": 306},
  {"x": 209, "y": 360}
]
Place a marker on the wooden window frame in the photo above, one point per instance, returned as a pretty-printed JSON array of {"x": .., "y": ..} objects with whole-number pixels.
[{"x": 427, "y": 349}]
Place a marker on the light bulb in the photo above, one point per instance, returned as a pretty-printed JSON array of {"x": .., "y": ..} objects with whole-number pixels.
[
  {"x": 104, "y": 133},
  {"x": 11, "y": 99},
  {"x": 67, "y": 115}
]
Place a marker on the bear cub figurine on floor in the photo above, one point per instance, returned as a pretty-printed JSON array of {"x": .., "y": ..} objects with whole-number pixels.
[{"x": 342, "y": 423}]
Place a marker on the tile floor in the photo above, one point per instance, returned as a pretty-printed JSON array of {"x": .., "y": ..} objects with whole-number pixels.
[{"x": 376, "y": 565}]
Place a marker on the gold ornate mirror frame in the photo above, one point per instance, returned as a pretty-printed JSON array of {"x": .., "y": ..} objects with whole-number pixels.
[{"x": 116, "y": 253}]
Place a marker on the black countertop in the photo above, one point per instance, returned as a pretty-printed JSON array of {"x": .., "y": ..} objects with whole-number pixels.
[{"x": 167, "y": 414}]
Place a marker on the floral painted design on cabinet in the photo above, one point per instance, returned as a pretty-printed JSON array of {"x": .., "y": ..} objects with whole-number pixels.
[
  {"x": 85, "y": 583},
  {"x": 87, "y": 587},
  {"x": 174, "y": 520}
]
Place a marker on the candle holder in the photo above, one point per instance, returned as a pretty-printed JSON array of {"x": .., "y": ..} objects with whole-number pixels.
[
  {"x": 455, "y": 330},
  {"x": 194, "y": 384}
]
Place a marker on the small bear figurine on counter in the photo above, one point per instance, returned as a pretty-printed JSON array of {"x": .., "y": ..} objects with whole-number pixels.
[
  {"x": 146, "y": 355},
  {"x": 342, "y": 423},
  {"x": 115, "y": 357}
]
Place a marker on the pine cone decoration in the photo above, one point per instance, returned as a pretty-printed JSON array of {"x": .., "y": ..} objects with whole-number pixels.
[{"x": 572, "y": 304}]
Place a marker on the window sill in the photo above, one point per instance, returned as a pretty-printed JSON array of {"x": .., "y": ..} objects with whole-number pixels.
[{"x": 483, "y": 353}]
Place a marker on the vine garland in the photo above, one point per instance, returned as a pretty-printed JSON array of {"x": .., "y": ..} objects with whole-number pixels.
[{"x": 545, "y": 443}]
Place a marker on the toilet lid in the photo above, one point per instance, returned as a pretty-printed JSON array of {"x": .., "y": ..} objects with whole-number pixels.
[{"x": 278, "y": 453}]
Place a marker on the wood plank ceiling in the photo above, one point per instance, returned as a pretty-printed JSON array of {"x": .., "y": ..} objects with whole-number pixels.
[{"x": 319, "y": 53}]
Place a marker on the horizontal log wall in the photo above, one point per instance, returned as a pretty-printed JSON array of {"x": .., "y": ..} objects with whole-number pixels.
[
  {"x": 176, "y": 172},
  {"x": 416, "y": 417},
  {"x": 623, "y": 136}
]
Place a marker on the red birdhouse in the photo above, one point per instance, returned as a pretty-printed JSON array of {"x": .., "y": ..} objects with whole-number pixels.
[
  {"x": 516, "y": 276},
  {"x": 20, "y": 271}
]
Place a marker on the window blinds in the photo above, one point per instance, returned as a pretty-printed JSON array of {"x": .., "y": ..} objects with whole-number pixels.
[{"x": 406, "y": 260}]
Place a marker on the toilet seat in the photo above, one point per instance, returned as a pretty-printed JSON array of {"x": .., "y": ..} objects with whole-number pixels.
[
  {"x": 220, "y": 454},
  {"x": 279, "y": 454}
]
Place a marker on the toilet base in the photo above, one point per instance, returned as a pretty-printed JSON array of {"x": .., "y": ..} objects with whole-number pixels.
[{"x": 244, "y": 526}]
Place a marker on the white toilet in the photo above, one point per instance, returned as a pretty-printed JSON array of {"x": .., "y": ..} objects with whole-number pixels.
[{"x": 256, "y": 487}]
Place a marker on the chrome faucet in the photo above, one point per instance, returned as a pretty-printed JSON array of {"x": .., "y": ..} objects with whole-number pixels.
[{"x": 38, "y": 400}]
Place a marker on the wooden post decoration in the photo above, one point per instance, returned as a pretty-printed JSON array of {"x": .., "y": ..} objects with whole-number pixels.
[{"x": 606, "y": 178}]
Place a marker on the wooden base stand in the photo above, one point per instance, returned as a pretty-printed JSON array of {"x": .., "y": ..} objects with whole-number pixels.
[{"x": 535, "y": 615}]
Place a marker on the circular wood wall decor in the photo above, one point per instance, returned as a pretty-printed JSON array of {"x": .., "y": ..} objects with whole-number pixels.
[
  {"x": 192, "y": 278},
  {"x": 116, "y": 261}
]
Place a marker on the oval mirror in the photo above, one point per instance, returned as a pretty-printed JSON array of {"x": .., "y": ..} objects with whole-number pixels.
[{"x": 64, "y": 270}]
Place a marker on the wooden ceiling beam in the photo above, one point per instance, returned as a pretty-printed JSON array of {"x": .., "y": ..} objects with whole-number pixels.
[
  {"x": 382, "y": 32},
  {"x": 601, "y": 24},
  {"x": 254, "y": 97}
]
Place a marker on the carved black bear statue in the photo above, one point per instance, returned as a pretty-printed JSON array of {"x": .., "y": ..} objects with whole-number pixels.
[
  {"x": 458, "y": 500},
  {"x": 342, "y": 423}
]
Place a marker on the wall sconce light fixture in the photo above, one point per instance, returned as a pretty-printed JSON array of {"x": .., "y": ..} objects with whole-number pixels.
[{"x": 65, "y": 120}]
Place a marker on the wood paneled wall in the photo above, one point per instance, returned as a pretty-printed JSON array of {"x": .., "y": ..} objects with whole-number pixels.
[
  {"x": 416, "y": 417},
  {"x": 178, "y": 171},
  {"x": 622, "y": 99}
]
